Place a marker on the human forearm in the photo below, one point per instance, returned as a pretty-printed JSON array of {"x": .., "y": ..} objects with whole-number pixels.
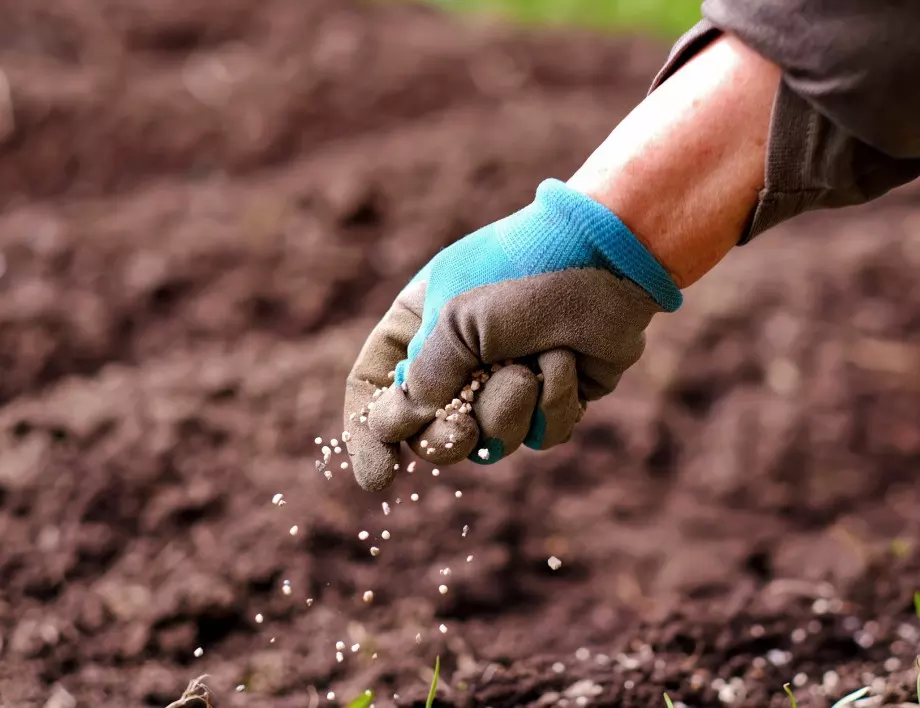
[{"x": 684, "y": 169}]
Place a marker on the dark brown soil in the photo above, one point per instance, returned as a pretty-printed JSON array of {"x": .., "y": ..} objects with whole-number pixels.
[{"x": 209, "y": 202}]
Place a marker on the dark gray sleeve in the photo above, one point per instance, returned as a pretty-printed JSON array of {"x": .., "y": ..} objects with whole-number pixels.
[{"x": 845, "y": 126}]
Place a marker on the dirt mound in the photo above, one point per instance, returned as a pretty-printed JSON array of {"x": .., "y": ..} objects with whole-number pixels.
[{"x": 208, "y": 205}]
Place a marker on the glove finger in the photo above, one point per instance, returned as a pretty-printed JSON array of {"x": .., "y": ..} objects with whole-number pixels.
[
  {"x": 504, "y": 409},
  {"x": 448, "y": 440},
  {"x": 559, "y": 407},
  {"x": 441, "y": 364},
  {"x": 373, "y": 460}
]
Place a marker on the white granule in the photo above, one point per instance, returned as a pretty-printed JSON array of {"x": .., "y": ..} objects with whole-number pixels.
[{"x": 554, "y": 563}]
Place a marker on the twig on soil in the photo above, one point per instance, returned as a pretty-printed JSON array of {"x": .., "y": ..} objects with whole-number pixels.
[{"x": 196, "y": 690}]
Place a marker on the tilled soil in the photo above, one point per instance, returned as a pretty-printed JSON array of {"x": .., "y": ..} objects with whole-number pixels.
[{"x": 208, "y": 203}]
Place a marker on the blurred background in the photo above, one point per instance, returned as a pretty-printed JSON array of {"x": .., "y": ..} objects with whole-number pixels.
[{"x": 206, "y": 206}]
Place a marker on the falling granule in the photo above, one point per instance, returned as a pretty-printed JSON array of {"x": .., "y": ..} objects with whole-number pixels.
[
  {"x": 294, "y": 530},
  {"x": 458, "y": 494},
  {"x": 423, "y": 443},
  {"x": 339, "y": 657},
  {"x": 355, "y": 648},
  {"x": 443, "y": 629},
  {"x": 374, "y": 656},
  {"x": 240, "y": 688},
  {"x": 271, "y": 641},
  {"x": 330, "y": 696},
  {"x": 340, "y": 645},
  {"x": 413, "y": 497},
  {"x": 375, "y": 551},
  {"x": 444, "y": 571},
  {"x": 328, "y": 474},
  {"x": 346, "y": 436},
  {"x": 386, "y": 509},
  {"x": 558, "y": 667},
  {"x": 334, "y": 443},
  {"x": 469, "y": 559},
  {"x": 442, "y": 589},
  {"x": 385, "y": 535},
  {"x": 418, "y": 638},
  {"x": 363, "y": 535},
  {"x": 325, "y": 450},
  {"x": 309, "y": 602},
  {"x": 278, "y": 499},
  {"x": 318, "y": 441},
  {"x": 466, "y": 530},
  {"x": 368, "y": 596},
  {"x": 337, "y": 450},
  {"x": 410, "y": 468},
  {"x": 483, "y": 454},
  {"x": 435, "y": 472},
  {"x": 583, "y": 653},
  {"x": 344, "y": 465},
  {"x": 286, "y": 587},
  {"x": 259, "y": 618},
  {"x": 199, "y": 652},
  {"x": 554, "y": 563}
]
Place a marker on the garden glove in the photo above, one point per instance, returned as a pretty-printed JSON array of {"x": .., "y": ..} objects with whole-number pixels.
[{"x": 560, "y": 290}]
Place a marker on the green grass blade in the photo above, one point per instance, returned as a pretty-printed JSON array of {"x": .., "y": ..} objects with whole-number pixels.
[
  {"x": 851, "y": 698},
  {"x": 434, "y": 683},
  {"x": 917, "y": 603},
  {"x": 918, "y": 679},
  {"x": 667, "y": 700},
  {"x": 363, "y": 701},
  {"x": 788, "y": 689}
]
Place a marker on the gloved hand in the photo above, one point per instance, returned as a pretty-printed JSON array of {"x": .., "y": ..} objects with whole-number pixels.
[{"x": 560, "y": 290}]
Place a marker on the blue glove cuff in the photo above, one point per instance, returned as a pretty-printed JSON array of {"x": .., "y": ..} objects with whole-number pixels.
[{"x": 622, "y": 251}]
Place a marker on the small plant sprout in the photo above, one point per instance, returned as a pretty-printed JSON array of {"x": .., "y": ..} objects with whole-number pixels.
[
  {"x": 667, "y": 701},
  {"x": 434, "y": 683},
  {"x": 851, "y": 697},
  {"x": 554, "y": 563},
  {"x": 195, "y": 694},
  {"x": 278, "y": 499},
  {"x": 365, "y": 700},
  {"x": 788, "y": 689},
  {"x": 917, "y": 603}
]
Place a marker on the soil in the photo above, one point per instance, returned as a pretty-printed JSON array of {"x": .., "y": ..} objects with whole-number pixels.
[{"x": 207, "y": 204}]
